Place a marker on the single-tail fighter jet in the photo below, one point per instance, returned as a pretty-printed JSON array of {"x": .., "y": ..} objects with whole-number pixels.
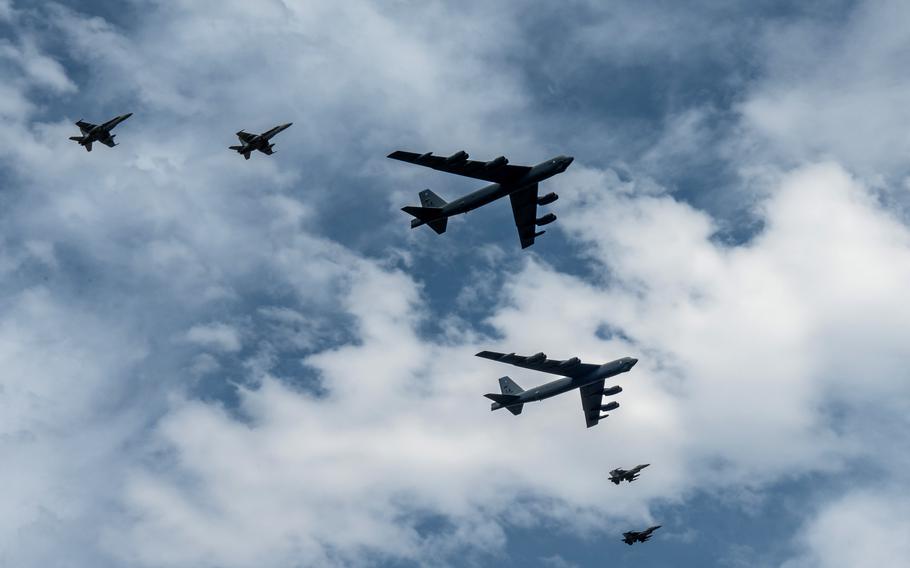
[
  {"x": 632, "y": 537},
  {"x": 587, "y": 378},
  {"x": 619, "y": 475},
  {"x": 250, "y": 142},
  {"x": 518, "y": 182},
  {"x": 98, "y": 132}
]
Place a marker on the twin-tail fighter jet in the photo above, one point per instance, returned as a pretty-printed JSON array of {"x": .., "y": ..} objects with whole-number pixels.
[
  {"x": 250, "y": 142},
  {"x": 632, "y": 537},
  {"x": 619, "y": 475},
  {"x": 586, "y": 377},
  {"x": 100, "y": 133},
  {"x": 518, "y": 182}
]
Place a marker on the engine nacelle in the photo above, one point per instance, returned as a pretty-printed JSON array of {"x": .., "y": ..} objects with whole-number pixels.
[
  {"x": 612, "y": 390},
  {"x": 496, "y": 163},
  {"x": 546, "y": 219},
  {"x": 570, "y": 362},
  {"x": 457, "y": 157},
  {"x": 610, "y": 406},
  {"x": 547, "y": 199},
  {"x": 536, "y": 358}
]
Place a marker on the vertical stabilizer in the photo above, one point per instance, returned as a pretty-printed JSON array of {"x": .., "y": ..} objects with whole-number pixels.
[
  {"x": 508, "y": 386},
  {"x": 430, "y": 199}
]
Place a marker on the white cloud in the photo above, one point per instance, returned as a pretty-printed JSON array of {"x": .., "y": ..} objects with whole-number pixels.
[
  {"x": 744, "y": 349},
  {"x": 218, "y": 336},
  {"x": 861, "y": 528},
  {"x": 837, "y": 91}
]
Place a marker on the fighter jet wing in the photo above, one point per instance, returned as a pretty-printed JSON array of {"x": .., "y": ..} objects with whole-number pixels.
[
  {"x": 591, "y": 395},
  {"x": 245, "y": 136},
  {"x": 524, "y": 209},
  {"x": 569, "y": 368},
  {"x": 85, "y": 126},
  {"x": 267, "y": 150},
  {"x": 109, "y": 142},
  {"x": 496, "y": 171}
]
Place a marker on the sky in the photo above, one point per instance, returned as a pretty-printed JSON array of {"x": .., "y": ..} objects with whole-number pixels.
[{"x": 209, "y": 362}]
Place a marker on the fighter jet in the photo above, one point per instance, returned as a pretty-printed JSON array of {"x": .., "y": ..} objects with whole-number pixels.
[
  {"x": 632, "y": 537},
  {"x": 98, "y": 132},
  {"x": 586, "y": 377},
  {"x": 250, "y": 142},
  {"x": 518, "y": 182},
  {"x": 630, "y": 475}
]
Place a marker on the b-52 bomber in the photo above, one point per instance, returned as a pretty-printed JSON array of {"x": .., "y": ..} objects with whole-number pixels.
[
  {"x": 518, "y": 182},
  {"x": 632, "y": 537},
  {"x": 98, "y": 132},
  {"x": 619, "y": 475},
  {"x": 250, "y": 142},
  {"x": 586, "y": 377}
]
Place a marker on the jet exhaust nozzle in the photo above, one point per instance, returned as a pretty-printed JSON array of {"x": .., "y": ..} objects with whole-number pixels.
[
  {"x": 460, "y": 156},
  {"x": 496, "y": 163},
  {"x": 536, "y": 358},
  {"x": 547, "y": 199},
  {"x": 546, "y": 219},
  {"x": 612, "y": 390},
  {"x": 609, "y": 406}
]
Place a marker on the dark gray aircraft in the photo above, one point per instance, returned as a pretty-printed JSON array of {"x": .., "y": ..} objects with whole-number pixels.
[
  {"x": 632, "y": 537},
  {"x": 250, "y": 142},
  {"x": 98, "y": 132},
  {"x": 518, "y": 182},
  {"x": 586, "y": 377},
  {"x": 630, "y": 475}
]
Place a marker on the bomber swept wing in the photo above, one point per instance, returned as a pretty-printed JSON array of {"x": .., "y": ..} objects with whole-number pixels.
[
  {"x": 524, "y": 209},
  {"x": 497, "y": 170},
  {"x": 569, "y": 368}
]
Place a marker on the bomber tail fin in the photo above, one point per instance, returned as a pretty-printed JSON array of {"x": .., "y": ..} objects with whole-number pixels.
[
  {"x": 509, "y": 387},
  {"x": 504, "y": 401},
  {"x": 430, "y": 199},
  {"x": 431, "y": 216}
]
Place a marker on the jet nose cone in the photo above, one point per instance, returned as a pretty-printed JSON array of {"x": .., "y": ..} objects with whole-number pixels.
[
  {"x": 127, "y": 115},
  {"x": 632, "y": 362}
]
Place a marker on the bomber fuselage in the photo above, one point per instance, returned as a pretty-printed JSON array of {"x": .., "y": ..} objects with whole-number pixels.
[
  {"x": 494, "y": 191},
  {"x": 565, "y": 384}
]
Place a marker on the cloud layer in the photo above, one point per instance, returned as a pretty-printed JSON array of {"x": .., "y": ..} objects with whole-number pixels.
[{"x": 212, "y": 362}]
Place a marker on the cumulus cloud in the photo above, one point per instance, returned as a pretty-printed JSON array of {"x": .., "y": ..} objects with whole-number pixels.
[
  {"x": 862, "y": 528},
  {"x": 218, "y": 336},
  {"x": 334, "y": 416}
]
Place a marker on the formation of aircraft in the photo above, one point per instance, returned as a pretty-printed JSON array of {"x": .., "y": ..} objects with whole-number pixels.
[
  {"x": 619, "y": 475},
  {"x": 587, "y": 378},
  {"x": 520, "y": 183},
  {"x": 250, "y": 142},
  {"x": 632, "y": 537},
  {"x": 100, "y": 133}
]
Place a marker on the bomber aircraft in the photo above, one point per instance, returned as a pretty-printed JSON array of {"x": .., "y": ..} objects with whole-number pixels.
[
  {"x": 586, "y": 377},
  {"x": 632, "y": 537},
  {"x": 518, "y": 182},
  {"x": 250, "y": 142},
  {"x": 98, "y": 132},
  {"x": 619, "y": 475}
]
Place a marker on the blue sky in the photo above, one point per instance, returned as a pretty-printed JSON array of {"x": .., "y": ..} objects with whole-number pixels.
[{"x": 219, "y": 363}]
